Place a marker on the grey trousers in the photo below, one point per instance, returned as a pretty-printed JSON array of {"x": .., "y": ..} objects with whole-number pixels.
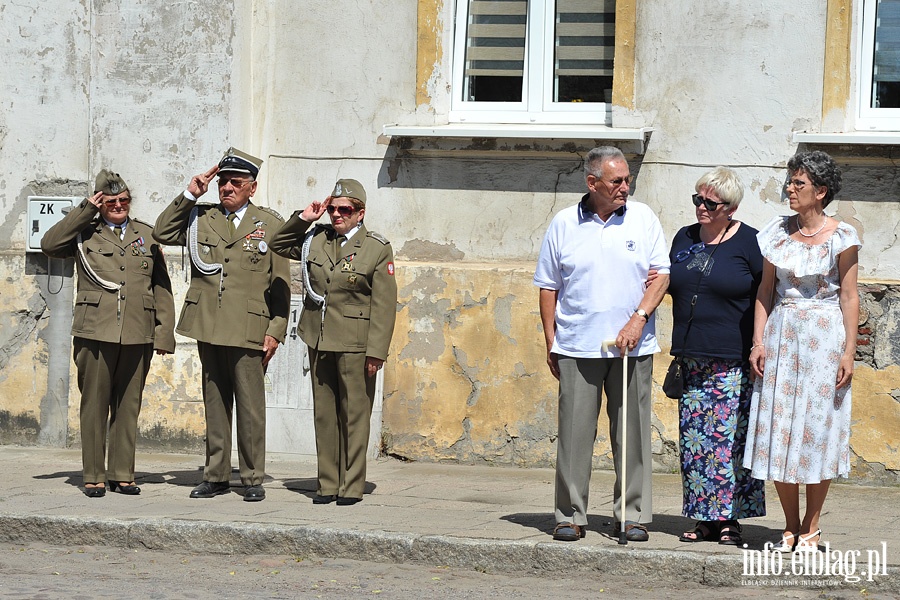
[{"x": 580, "y": 384}]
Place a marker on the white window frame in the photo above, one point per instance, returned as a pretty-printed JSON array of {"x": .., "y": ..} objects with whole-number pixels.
[
  {"x": 537, "y": 106},
  {"x": 868, "y": 118}
]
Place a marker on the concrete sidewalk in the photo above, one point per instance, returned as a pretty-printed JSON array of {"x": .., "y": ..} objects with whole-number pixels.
[{"x": 491, "y": 519}]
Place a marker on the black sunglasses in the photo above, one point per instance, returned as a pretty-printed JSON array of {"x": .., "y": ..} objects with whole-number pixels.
[{"x": 710, "y": 205}]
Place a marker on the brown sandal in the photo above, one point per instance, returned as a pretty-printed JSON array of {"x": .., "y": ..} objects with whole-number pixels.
[{"x": 568, "y": 532}]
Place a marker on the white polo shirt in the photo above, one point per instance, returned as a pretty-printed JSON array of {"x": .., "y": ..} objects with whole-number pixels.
[{"x": 599, "y": 269}]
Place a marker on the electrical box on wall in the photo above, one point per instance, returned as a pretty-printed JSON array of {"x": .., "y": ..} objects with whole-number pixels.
[{"x": 43, "y": 213}]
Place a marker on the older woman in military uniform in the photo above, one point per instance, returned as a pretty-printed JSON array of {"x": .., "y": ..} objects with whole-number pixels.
[
  {"x": 123, "y": 310},
  {"x": 347, "y": 321}
]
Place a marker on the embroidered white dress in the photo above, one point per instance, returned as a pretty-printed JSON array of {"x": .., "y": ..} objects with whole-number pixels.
[{"x": 799, "y": 429}]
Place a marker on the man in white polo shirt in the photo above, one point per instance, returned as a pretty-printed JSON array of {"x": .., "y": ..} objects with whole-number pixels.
[{"x": 591, "y": 272}]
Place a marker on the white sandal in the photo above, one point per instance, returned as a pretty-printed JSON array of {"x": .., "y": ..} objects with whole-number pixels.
[
  {"x": 803, "y": 546},
  {"x": 784, "y": 545}
]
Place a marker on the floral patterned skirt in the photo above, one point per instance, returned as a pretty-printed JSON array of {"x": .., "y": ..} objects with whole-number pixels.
[{"x": 714, "y": 413}]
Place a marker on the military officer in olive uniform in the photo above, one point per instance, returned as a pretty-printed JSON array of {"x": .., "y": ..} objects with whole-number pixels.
[
  {"x": 123, "y": 310},
  {"x": 236, "y": 308},
  {"x": 347, "y": 321}
]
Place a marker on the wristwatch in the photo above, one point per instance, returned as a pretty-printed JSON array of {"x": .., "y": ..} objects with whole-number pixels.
[{"x": 643, "y": 313}]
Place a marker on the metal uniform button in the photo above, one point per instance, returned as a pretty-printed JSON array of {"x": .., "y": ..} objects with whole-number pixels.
[
  {"x": 227, "y": 259},
  {"x": 121, "y": 253},
  {"x": 122, "y": 268}
]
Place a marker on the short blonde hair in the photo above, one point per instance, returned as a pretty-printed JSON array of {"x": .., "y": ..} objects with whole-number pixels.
[{"x": 725, "y": 183}]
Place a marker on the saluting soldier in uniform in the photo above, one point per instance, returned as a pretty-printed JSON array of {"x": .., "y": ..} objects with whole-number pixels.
[
  {"x": 236, "y": 308},
  {"x": 123, "y": 310},
  {"x": 348, "y": 318}
]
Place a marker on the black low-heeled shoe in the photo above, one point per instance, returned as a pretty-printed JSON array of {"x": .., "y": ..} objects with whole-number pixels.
[
  {"x": 124, "y": 488},
  {"x": 95, "y": 492}
]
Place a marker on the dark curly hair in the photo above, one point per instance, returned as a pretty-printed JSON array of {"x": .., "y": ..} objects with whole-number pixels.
[{"x": 821, "y": 169}]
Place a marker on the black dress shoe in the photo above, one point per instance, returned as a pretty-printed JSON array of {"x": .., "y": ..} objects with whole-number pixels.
[
  {"x": 210, "y": 489},
  {"x": 324, "y": 499},
  {"x": 124, "y": 488},
  {"x": 341, "y": 501},
  {"x": 95, "y": 492},
  {"x": 254, "y": 493}
]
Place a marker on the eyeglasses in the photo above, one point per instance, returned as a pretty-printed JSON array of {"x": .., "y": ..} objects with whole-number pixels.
[
  {"x": 343, "y": 210},
  {"x": 798, "y": 184},
  {"x": 710, "y": 205},
  {"x": 618, "y": 181},
  {"x": 234, "y": 181},
  {"x": 684, "y": 254},
  {"x": 112, "y": 201}
]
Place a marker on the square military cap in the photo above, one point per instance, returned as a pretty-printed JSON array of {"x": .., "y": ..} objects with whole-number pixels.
[
  {"x": 349, "y": 188},
  {"x": 111, "y": 184},
  {"x": 240, "y": 162}
]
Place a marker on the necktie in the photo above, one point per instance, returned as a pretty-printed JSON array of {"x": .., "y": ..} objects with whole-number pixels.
[
  {"x": 118, "y": 231},
  {"x": 231, "y": 218}
]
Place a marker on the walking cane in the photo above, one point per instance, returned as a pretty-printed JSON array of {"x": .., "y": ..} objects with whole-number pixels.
[{"x": 623, "y": 541}]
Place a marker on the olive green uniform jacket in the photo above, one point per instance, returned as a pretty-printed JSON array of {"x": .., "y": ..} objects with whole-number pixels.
[
  {"x": 135, "y": 263},
  {"x": 255, "y": 290},
  {"x": 358, "y": 283}
]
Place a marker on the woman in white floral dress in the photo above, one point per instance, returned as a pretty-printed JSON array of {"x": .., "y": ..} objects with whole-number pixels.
[{"x": 804, "y": 344}]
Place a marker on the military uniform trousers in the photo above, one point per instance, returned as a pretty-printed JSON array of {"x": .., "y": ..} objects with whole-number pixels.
[
  {"x": 111, "y": 381},
  {"x": 342, "y": 406},
  {"x": 580, "y": 384},
  {"x": 234, "y": 380}
]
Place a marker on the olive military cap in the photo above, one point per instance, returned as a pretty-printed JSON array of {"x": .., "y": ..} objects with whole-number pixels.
[
  {"x": 111, "y": 184},
  {"x": 349, "y": 188}
]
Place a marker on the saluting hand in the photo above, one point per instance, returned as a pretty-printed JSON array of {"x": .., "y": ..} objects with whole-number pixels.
[
  {"x": 96, "y": 199},
  {"x": 200, "y": 183},
  {"x": 315, "y": 210}
]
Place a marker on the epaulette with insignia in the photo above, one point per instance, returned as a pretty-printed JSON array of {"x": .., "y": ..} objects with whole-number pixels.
[
  {"x": 378, "y": 237},
  {"x": 270, "y": 211}
]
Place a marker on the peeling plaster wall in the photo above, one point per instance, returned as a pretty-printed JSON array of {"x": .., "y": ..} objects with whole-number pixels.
[
  {"x": 157, "y": 90},
  {"x": 142, "y": 87}
]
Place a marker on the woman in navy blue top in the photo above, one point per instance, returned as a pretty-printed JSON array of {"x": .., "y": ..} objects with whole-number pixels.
[{"x": 716, "y": 269}]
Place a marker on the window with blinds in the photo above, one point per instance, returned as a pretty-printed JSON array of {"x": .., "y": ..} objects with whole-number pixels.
[
  {"x": 564, "y": 47},
  {"x": 495, "y": 50},
  {"x": 585, "y": 38},
  {"x": 878, "y": 66},
  {"x": 886, "y": 59}
]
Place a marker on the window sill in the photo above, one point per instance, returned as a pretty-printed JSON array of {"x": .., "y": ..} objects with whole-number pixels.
[
  {"x": 870, "y": 138},
  {"x": 509, "y": 130}
]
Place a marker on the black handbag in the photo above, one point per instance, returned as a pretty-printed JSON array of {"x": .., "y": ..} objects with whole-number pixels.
[{"x": 673, "y": 384}]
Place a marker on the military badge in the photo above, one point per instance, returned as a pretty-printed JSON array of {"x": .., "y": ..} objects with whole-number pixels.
[
  {"x": 144, "y": 265},
  {"x": 205, "y": 249},
  {"x": 254, "y": 258},
  {"x": 347, "y": 268},
  {"x": 352, "y": 278},
  {"x": 248, "y": 245},
  {"x": 390, "y": 268},
  {"x": 257, "y": 235},
  {"x": 263, "y": 247}
]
